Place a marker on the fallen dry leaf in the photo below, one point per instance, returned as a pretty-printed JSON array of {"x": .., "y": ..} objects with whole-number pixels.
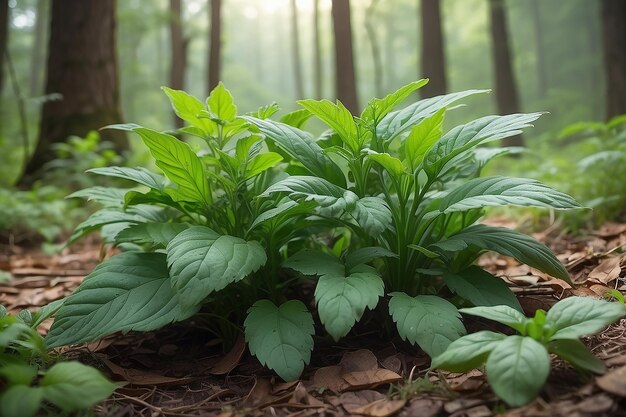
[
  {"x": 231, "y": 359},
  {"x": 423, "y": 407},
  {"x": 370, "y": 379},
  {"x": 360, "y": 360},
  {"x": 381, "y": 408},
  {"x": 139, "y": 377},
  {"x": 608, "y": 270},
  {"x": 614, "y": 382},
  {"x": 354, "y": 400},
  {"x": 329, "y": 377}
]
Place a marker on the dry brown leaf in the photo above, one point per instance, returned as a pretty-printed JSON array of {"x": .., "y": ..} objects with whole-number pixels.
[
  {"x": 469, "y": 381},
  {"x": 139, "y": 377},
  {"x": 608, "y": 270},
  {"x": 381, "y": 408},
  {"x": 423, "y": 407},
  {"x": 231, "y": 359},
  {"x": 301, "y": 396},
  {"x": 371, "y": 378},
  {"x": 393, "y": 363},
  {"x": 360, "y": 360},
  {"x": 600, "y": 290},
  {"x": 330, "y": 378},
  {"x": 611, "y": 230},
  {"x": 354, "y": 400},
  {"x": 614, "y": 382}
]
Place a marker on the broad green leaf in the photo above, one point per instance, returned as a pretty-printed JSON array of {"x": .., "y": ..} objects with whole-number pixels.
[
  {"x": 104, "y": 217},
  {"x": 392, "y": 164},
  {"x": 297, "y": 118},
  {"x": 130, "y": 291},
  {"x": 575, "y": 317},
  {"x": 265, "y": 112},
  {"x": 484, "y": 155},
  {"x": 287, "y": 209},
  {"x": 261, "y": 163},
  {"x": 502, "y": 191},
  {"x": 18, "y": 373},
  {"x": 468, "y": 352},
  {"x": 481, "y": 288},
  {"x": 422, "y": 137},
  {"x": 107, "y": 196},
  {"x": 187, "y": 107},
  {"x": 280, "y": 337},
  {"x": 430, "y": 321},
  {"x": 243, "y": 146},
  {"x": 155, "y": 234},
  {"x": 313, "y": 262},
  {"x": 139, "y": 175},
  {"x": 372, "y": 214},
  {"x": 73, "y": 386},
  {"x": 341, "y": 301},
  {"x": 338, "y": 118},
  {"x": 202, "y": 261},
  {"x": 180, "y": 164},
  {"x": 399, "y": 122},
  {"x": 505, "y": 242},
  {"x": 362, "y": 256},
  {"x": 577, "y": 354},
  {"x": 517, "y": 368},
  {"x": 46, "y": 312},
  {"x": 472, "y": 134},
  {"x": 378, "y": 108},
  {"x": 301, "y": 147},
  {"x": 221, "y": 103},
  {"x": 502, "y": 314},
  {"x": 20, "y": 401}
]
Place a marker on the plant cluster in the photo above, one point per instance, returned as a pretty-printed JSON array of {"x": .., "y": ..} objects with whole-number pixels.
[{"x": 383, "y": 205}]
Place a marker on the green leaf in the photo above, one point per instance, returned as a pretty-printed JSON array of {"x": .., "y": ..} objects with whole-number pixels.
[
  {"x": 468, "y": 352},
  {"x": 130, "y": 291},
  {"x": 338, "y": 118},
  {"x": 575, "y": 317},
  {"x": 107, "y": 196},
  {"x": 261, "y": 163},
  {"x": 18, "y": 373},
  {"x": 187, "y": 107},
  {"x": 422, "y": 138},
  {"x": 155, "y": 234},
  {"x": 104, "y": 217},
  {"x": 362, "y": 256},
  {"x": 577, "y": 354},
  {"x": 313, "y": 262},
  {"x": 372, "y": 214},
  {"x": 221, "y": 103},
  {"x": 430, "y": 321},
  {"x": 180, "y": 164},
  {"x": 481, "y": 288},
  {"x": 73, "y": 386},
  {"x": 297, "y": 118},
  {"x": 378, "y": 108},
  {"x": 280, "y": 337},
  {"x": 139, "y": 175},
  {"x": 341, "y": 301},
  {"x": 502, "y": 314},
  {"x": 267, "y": 111},
  {"x": 505, "y": 242},
  {"x": 20, "y": 401},
  {"x": 517, "y": 368},
  {"x": 392, "y": 164},
  {"x": 46, "y": 312},
  {"x": 301, "y": 147},
  {"x": 502, "y": 191},
  {"x": 202, "y": 261},
  {"x": 287, "y": 209}
]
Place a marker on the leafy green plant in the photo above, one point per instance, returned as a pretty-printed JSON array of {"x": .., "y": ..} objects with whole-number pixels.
[
  {"x": 30, "y": 381},
  {"x": 384, "y": 204},
  {"x": 518, "y": 366}
]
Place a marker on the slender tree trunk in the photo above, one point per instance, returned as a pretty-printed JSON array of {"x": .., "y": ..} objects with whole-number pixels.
[
  {"x": 542, "y": 77},
  {"x": 614, "y": 33},
  {"x": 178, "y": 49},
  {"x": 317, "y": 55},
  {"x": 506, "y": 91},
  {"x": 433, "y": 56},
  {"x": 344, "y": 61},
  {"x": 375, "y": 48},
  {"x": 593, "y": 16},
  {"x": 82, "y": 67},
  {"x": 38, "y": 58},
  {"x": 391, "y": 33},
  {"x": 215, "y": 45},
  {"x": 295, "y": 51},
  {"x": 4, "y": 34}
]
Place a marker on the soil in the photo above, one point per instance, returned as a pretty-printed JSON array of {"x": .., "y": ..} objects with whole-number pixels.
[{"x": 185, "y": 371}]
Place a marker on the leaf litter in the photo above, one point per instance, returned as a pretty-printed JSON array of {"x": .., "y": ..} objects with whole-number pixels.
[{"x": 167, "y": 374}]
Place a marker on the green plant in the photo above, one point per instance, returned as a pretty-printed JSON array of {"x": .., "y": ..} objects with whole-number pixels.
[
  {"x": 384, "y": 204},
  {"x": 518, "y": 366},
  {"x": 30, "y": 381}
]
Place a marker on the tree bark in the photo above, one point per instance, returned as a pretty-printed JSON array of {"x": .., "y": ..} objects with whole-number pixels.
[
  {"x": 38, "y": 57},
  {"x": 178, "y": 49},
  {"x": 614, "y": 33},
  {"x": 506, "y": 91},
  {"x": 317, "y": 54},
  {"x": 375, "y": 48},
  {"x": 542, "y": 77},
  {"x": 344, "y": 61},
  {"x": 82, "y": 67},
  {"x": 295, "y": 51},
  {"x": 214, "y": 64},
  {"x": 4, "y": 34},
  {"x": 433, "y": 56}
]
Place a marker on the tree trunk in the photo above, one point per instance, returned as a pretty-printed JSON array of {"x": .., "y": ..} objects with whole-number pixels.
[
  {"x": 178, "y": 50},
  {"x": 295, "y": 51},
  {"x": 317, "y": 55},
  {"x": 214, "y": 63},
  {"x": 506, "y": 91},
  {"x": 344, "y": 61},
  {"x": 4, "y": 33},
  {"x": 433, "y": 56},
  {"x": 82, "y": 67},
  {"x": 614, "y": 33},
  {"x": 38, "y": 57},
  {"x": 375, "y": 48},
  {"x": 542, "y": 78}
]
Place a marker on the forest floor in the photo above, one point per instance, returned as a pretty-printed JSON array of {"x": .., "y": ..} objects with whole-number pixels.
[{"x": 182, "y": 371}]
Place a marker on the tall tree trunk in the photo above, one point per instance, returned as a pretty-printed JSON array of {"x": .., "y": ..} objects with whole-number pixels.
[
  {"x": 614, "y": 33},
  {"x": 295, "y": 51},
  {"x": 433, "y": 56},
  {"x": 82, "y": 67},
  {"x": 178, "y": 61},
  {"x": 542, "y": 77},
  {"x": 506, "y": 91},
  {"x": 38, "y": 57},
  {"x": 375, "y": 48},
  {"x": 344, "y": 61},
  {"x": 592, "y": 17},
  {"x": 317, "y": 55},
  {"x": 214, "y": 64},
  {"x": 4, "y": 34}
]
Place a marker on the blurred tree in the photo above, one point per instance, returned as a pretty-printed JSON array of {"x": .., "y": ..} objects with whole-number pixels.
[
  {"x": 178, "y": 49},
  {"x": 372, "y": 35},
  {"x": 82, "y": 67},
  {"x": 317, "y": 51},
  {"x": 295, "y": 51},
  {"x": 542, "y": 78},
  {"x": 433, "y": 54},
  {"x": 614, "y": 34},
  {"x": 214, "y": 63},
  {"x": 38, "y": 57},
  {"x": 344, "y": 62},
  {"x": 506, "y": 90},
  {"x": 4, "y": 31}
]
